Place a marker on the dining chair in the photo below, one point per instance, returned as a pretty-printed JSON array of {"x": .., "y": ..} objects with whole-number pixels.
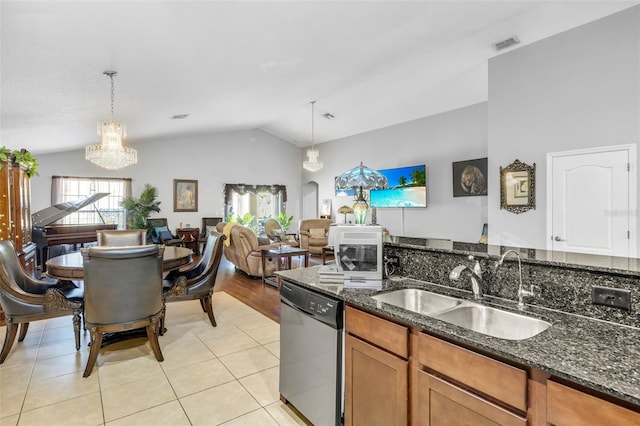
[
  {"x": 24, "y": 299},
  {"x": 119, "y": 238},
  {"x": 197, "y": 282},
  {"x": 122, "y": 291}
]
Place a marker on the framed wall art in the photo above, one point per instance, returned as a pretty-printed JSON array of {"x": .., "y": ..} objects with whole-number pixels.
[
  {"x": 470, "y": 178},
  {"x": 185, "y": 195},
  {"x": 518, "y": 187}
]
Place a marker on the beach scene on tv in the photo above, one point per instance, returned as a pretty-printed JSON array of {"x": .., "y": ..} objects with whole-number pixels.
[{"x": 407, "y": 188}]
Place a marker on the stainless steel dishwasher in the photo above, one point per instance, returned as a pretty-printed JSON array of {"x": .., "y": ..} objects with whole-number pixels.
[{"x": 311, "y": 359}]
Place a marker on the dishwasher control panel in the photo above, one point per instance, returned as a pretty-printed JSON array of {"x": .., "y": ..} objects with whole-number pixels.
[{"x": 321, "y": 307}]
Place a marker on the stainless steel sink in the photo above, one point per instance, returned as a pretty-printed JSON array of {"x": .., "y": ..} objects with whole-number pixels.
[
  {"x": 419, "y": 301},
  {"x": 494, "y": 322}
]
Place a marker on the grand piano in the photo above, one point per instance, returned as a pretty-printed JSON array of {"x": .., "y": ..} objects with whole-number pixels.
[{"x": 46, "y": 234}]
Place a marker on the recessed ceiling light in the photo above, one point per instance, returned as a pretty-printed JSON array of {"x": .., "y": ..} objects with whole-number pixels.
[
  {"x": 179, "y": 116},
  {"x": 328, "y": 116}
]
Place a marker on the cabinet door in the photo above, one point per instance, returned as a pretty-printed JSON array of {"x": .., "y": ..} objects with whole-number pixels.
[
  {"x": 442, "y": 404},
  {"x": 568, "y": 406},
  {"x": 376, "y": 386}
]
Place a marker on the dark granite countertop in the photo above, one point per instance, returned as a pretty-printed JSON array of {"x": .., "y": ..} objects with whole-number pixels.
[{"x": 597, "y": 354}]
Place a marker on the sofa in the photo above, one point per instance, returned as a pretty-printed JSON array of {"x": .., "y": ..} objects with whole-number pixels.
[
  {"x": 314, "y": 234},
  {"x": 244, "y": 251}
]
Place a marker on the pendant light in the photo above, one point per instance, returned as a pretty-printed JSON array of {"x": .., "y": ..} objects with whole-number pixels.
[
  {"x": 313, "y": 164},
  {"x": 109, "y": 153}
]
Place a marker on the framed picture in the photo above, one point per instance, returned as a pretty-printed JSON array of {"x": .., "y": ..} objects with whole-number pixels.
[
  {"x": 326, "y": 208},
  {"x": 518, "y": 187},
  {"x": 470, "y": 178},
  {"x": 185, "y": 195}
]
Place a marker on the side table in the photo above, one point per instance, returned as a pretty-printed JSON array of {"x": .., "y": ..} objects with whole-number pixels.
[
  {"x": 285, "y": 253},
  {"x": 190, "y": 238}
]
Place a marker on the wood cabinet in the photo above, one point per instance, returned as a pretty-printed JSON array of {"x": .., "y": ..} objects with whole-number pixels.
[
  {"x": 388, "y": 364},
  {"x": 376, "y": 371},
  {"x": 191, "y": 238},
  {"x": 15, "y": 214},
  {"x": 568, "y": 406},
  {"x": 457, "y": 386}
]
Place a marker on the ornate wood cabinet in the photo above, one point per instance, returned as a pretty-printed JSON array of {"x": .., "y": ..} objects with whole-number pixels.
[{"x": 15, "y": 212}]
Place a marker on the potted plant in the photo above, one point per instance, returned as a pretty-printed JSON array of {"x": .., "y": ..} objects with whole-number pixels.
[
  {"x": 139, "y": 209},
  {"x": 23, "y": 157},
  {"x": 284, "y": 221},
  {"x": 247, "y": 220}
]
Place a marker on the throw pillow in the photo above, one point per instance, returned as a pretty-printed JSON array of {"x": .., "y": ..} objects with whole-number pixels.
[
  {"x": 166, "y": 235},
  {"x": 159, "y": 229},
  {"x": 317, "y": 233}
]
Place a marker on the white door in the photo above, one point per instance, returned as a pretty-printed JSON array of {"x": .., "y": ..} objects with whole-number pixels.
[{"x": 590, "y": 201}]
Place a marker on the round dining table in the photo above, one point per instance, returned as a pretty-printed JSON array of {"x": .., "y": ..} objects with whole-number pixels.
[{"x": 68, "y": 267}]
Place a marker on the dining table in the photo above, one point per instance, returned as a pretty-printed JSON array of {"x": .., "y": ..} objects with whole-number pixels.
[{"x": 68, "y": 267}]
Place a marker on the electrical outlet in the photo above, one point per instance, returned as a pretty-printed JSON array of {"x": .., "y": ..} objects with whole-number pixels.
[{"x": 615, "y": 297}]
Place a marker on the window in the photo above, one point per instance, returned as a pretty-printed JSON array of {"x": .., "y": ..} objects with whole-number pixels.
[
  {"x": 261, "y": 201},
  {"x": 104, "y": 210}
]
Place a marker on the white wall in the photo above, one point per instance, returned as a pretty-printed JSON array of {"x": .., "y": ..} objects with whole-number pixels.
[
  {"x": 251, "y": 157},
  {"x": 436, "y": 141},
  {"x": 574, "y": 90}
]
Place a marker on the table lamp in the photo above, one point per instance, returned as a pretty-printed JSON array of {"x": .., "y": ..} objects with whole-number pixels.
[
  {"x": 345, "y": 210},
  {"x": 361, "y": 177}
]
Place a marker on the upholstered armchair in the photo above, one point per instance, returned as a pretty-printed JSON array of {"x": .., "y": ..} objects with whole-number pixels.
[
  {"x": 118, "y": 238},
  {"x": 24, "y": 299},
  {"x": 314, "y": 234},
  {"x": 198, "y": 281},
  {"x": 273, "y": 230},
  {"x": 161, "y": 232},
  {"x": 242, "y": 249},
  {"x": 122, "y": 291}
]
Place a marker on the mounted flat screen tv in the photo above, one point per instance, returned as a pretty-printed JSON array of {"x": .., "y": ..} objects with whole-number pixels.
[{"x": 407, "y": 188}]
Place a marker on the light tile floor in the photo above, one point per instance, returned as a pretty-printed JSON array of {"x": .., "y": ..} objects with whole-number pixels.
[{"x": 210, "y": 376}]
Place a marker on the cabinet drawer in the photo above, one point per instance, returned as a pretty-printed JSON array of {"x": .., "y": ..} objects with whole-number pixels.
[
  {"x": 568, "y": 406},
  {"x": 488, "y": 376},
  {"x": 386, "y": 334},
  {"x": 443, "y": 403}
]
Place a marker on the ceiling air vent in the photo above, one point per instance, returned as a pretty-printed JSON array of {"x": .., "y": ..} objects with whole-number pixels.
[{"x": 506, "y": 43}]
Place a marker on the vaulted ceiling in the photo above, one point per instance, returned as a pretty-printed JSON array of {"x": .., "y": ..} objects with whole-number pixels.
[{"x": 233, "y": 65}]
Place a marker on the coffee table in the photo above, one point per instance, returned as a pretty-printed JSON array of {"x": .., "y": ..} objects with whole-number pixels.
[{"x": 285, "y": 253}]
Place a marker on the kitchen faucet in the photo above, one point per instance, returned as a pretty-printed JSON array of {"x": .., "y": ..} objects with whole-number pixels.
[
  {"x": 521, "y": 291},
  {"x": 475, "y": 274}
]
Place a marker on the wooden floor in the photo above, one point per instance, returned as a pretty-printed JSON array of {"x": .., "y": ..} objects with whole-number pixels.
[{"x": 264, "y": 298}]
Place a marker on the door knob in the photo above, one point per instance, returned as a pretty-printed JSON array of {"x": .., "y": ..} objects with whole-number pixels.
[{"x": 557, "y": 238}]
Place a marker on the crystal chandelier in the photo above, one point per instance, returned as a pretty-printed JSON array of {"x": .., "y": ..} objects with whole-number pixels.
[
  {"x": 313, "y": 165},
  {"x": 110, "y": 154}
]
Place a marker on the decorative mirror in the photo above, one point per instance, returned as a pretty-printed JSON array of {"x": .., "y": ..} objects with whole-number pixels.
[{"x": 518, "y": 187}]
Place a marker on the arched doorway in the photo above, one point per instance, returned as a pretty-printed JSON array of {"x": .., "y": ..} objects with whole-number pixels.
[{"x": 310, "y": 200}]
